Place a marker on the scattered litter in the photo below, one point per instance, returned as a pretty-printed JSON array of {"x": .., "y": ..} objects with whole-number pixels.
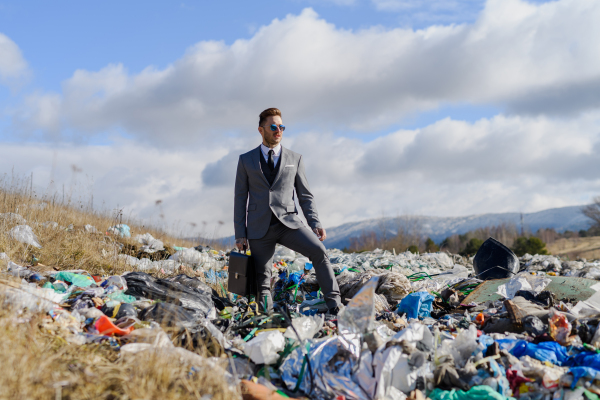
[
  {"x": 24, "y": 234},
  {"x": 415, "y": 326}
]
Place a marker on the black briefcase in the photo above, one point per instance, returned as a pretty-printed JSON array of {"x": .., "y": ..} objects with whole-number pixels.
[{"x": 242, "y": 276}]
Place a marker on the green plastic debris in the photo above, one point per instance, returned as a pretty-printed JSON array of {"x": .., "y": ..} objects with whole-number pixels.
[
  {"x": 75, "y": 279},
  {"x": 121, "y": 297},
  {"x": 475, "y": 393}
]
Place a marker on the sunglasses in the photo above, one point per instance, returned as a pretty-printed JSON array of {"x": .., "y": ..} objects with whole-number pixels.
[{"x": 274, "y": 127}]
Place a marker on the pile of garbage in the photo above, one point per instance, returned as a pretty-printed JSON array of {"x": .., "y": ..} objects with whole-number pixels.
[{"x": 434, "y": 325}]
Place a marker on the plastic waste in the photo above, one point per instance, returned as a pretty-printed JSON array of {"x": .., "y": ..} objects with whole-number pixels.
[
  {"x": 167, "y": 314},
  {"x": 24, "y": 234},
  {"x": 117, "y": 281},
  {"x": 12, "y": 218},
  {"x": 90, "y": 228},
  {"x": 191, "y": 257},
  {"x": 142, "y": 285},
  {"x": 495, "y": 261},
  {"x": 121, "y": 297},
  {"x": 534, "y": 325},
  {"x": 524, "y": 281},
  {"x": 331, "y": 361},
  {"x": 75, "y": 279},
  {"x": 306, "y": 327},
  {"x": 150, "y": 244},
  {"x": 482, "y": 392},
  {"x": 559, "y": 327},
  {"x": 263, "y": 348},
  {"x": 104, "y": 326},
  {"x": 122, "y": 230},
  {"x": 359, "y": 315},
  {"x": 416, "y": 305}
]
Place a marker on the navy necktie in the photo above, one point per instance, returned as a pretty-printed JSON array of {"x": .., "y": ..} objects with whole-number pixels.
[{"x": 271, "y": 161}]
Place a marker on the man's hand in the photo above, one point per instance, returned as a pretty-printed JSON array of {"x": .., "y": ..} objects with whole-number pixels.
[
  {"x": 240, "y": 243},
  {"x": 320, "y": 232}
]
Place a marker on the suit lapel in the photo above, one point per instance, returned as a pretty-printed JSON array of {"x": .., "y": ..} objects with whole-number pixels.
[
  {"x": 282, "y": 160},
  {"x": 256, "y": 159}
]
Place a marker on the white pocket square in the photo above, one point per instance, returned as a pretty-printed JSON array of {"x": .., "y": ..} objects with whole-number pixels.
[{"x": 289, "y": 166}]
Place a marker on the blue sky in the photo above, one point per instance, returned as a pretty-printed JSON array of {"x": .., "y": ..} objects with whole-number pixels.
[{"x": 444, "y": 107}]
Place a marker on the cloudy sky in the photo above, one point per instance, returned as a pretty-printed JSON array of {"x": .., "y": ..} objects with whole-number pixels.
[{"x": 443, "y": 107}]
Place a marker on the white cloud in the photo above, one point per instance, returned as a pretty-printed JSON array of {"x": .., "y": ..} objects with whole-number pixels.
[
  {"x": 320, "y": 75},
  {"x": 13, "y": 67}
]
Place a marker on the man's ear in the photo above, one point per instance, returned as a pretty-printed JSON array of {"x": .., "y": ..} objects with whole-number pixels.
[{"x": 260, "y": 130}]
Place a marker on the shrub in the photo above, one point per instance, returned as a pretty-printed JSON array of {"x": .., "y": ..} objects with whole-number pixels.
[{"x": 532, "y": 245}]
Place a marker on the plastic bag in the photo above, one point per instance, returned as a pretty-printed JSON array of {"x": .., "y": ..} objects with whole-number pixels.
[
  {"x": 115, "y": 280},
  {"x": 359, "y": 315},
  {"x": 150, "y": 244},
  {"x": 90, "y": 228},
  {"x": 24, "y": 234},
  {"x": 121, "y": 297},
  {"x": 142, "y": 285},
  {"x": 560, "y": 327},
  {"x": 167, "y": 314},
  {"x": 306, "y": 327},
  {"x": 75, "y": 279},
  {"x": 121, "y": 230},
  {"x": 536, "y": 284},
  {"x": 263, "y": 348},
  {"x": 191, "y": 257},
  {"x": 12, "y": 218},
  {"x": 416, "y": 305}
]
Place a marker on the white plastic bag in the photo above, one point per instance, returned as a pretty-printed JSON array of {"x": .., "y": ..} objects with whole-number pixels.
[
  {"x": 191, "y": 257},
  {"x": 24, "y": 234},
  {"x": 307, "y": 327},
  {"x": 523, "y": 282},
  {"x": 264, "y": 347}
]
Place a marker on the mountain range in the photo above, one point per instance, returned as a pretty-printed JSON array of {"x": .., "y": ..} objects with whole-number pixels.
[{"x": 439, "y": 228}]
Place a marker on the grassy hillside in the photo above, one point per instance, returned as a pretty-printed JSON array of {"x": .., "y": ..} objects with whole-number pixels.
[
  {"x": 36, "y": 362},
  {"x": 584, "y": 247}
]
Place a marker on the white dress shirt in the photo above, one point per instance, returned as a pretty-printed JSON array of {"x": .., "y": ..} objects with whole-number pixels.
[{"x": 276, "y": 153}]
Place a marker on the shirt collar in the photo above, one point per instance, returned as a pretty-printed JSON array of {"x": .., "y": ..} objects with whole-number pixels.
[{"x": 276, "y": 150}]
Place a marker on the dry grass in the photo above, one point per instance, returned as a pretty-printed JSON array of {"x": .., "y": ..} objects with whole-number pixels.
[
  {"x": 64, "y": 247},
  {"x": 574, "y": 248},
  {"x": 37, "y": 365}
]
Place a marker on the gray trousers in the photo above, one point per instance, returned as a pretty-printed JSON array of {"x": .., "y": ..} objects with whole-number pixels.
[{"x": 303, "y": 241}]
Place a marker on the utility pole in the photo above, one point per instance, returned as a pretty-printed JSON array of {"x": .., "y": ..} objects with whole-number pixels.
[{"x": 522, "y": 225}]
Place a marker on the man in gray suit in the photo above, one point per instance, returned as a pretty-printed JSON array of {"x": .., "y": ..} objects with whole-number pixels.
[{"x": 265, "y": 182}]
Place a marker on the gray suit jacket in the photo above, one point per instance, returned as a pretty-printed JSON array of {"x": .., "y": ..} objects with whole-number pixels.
[{"x": 252, "y": 188}]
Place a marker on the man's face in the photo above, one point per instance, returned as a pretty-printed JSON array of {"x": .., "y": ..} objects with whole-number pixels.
[{"x": 271, "y": 138}]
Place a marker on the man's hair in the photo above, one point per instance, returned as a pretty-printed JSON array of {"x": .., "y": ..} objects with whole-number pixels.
[{"x": 269, "y": 112}]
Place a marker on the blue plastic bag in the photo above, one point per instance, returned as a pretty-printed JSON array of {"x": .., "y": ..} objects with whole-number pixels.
[
  {"x": 416, "y": 305},
  {"x": 546, "y": 351}
]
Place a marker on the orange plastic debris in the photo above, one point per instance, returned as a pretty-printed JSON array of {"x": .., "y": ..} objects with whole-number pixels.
[
  {"x": 480, "y": 318},
  {"x": 105, "y": 327}
]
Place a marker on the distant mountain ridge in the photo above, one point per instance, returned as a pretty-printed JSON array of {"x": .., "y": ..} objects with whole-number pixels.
[{"x": 439, "y": 228}]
